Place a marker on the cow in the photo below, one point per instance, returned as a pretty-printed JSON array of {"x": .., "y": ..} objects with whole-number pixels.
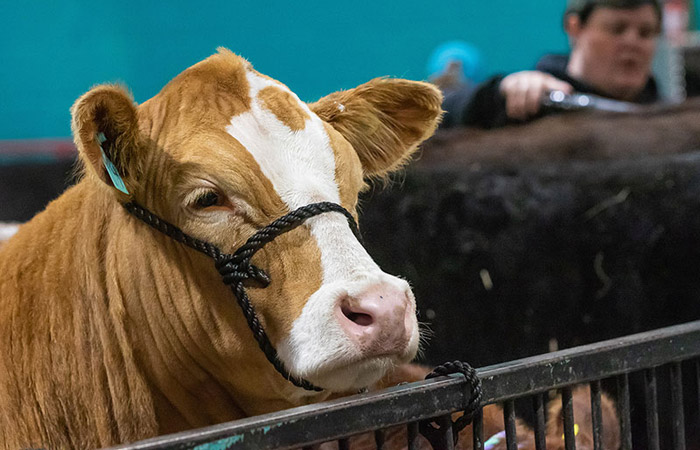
[
  {"x": 119, "y": 303},
  {"x": 112, "y": 332}
]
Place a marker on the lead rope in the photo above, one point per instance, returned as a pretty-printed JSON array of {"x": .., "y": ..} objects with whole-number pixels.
[
  {"x": 236, "y": 268},
  {"x": 435, "y": 435}
]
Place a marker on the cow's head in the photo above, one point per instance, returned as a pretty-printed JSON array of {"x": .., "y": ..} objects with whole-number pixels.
[{"x": 223, "y": 150}]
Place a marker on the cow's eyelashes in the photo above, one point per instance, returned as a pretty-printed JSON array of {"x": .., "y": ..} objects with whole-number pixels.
[{"x": 206, "y": 198}]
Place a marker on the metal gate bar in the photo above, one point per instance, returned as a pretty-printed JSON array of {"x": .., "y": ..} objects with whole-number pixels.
[
  {"x": 407, "y": 404},
  {"x": 596, "y": 415},
  {"x": 677, "y": 406},
  {"x": 623, "y": 406},
  {"x": 652, "y": 409},
  {"x": 567, "y": 400},
  {"x": 538, "y": 405},
  {"x": 509, "y": 420}
]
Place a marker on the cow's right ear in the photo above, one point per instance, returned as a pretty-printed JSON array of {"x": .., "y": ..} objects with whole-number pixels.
[
  {"x": 384, "y": 120},
  {"x": 106, "y": 132}
]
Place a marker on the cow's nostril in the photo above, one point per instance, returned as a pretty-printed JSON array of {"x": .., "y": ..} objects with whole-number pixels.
[{"x": 360, "y": 318}]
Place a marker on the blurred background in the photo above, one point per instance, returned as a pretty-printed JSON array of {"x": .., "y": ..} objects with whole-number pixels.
[{"x": 52, "y": 52}]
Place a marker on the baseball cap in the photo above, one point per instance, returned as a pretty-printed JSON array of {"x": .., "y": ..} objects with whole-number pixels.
[{"x": 460, "y": 51}]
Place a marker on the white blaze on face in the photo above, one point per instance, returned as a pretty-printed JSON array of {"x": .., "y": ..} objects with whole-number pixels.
[{"x": 301, "y": 166}]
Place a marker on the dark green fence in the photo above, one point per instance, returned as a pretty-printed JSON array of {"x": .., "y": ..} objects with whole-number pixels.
[{"x": 656, "y": 351}]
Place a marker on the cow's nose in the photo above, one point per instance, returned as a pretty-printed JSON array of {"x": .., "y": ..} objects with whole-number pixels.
[{"x": 380, "y": 320}]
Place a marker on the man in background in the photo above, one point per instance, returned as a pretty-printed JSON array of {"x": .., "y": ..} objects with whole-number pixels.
[{"x": 612, "y": 48}]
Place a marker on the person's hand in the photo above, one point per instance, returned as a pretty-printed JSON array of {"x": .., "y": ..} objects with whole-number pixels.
[{"x": 523, "y": 92}]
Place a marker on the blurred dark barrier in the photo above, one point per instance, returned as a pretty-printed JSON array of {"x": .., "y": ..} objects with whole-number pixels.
[
  {"x": 511, "y": 261},
  {"x": 571, "y": 230},
  {"x": 32, "y": 173}
]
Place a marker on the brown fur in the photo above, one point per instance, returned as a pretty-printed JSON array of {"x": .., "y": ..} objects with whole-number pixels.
[
  {"x": 284, "y": 106},
  {"x": 582, "y": 417},
  {"x": 112, "y": 332},
  {"x": 555, "y": 425},
  {"x": 374, "y": 120}
]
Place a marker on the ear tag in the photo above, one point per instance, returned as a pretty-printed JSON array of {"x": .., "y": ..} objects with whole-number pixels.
[{"x": 111, "y": 170}]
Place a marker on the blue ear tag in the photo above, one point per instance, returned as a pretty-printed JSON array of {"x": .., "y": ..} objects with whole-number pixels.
[{"x": 111, "y": 170}]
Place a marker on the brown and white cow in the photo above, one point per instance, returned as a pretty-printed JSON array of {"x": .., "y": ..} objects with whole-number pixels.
[{"x": 111, "y": 332}]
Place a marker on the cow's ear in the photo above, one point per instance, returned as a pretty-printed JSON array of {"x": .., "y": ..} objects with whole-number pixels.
[
  {"x": 105, "y": 129},
  {"x": 384, "y": 120}
]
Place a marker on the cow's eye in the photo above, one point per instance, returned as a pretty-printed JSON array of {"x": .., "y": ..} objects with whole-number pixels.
[{"x": 207, "y": 199}]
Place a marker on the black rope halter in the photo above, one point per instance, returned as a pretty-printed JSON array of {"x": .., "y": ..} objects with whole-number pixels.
[
  {"x": 235, "y": 268},
  {"x": 474, "y": 395}
]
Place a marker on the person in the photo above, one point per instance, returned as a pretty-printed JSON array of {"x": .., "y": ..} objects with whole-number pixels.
[
  {"x": 455, "y": 67},
  {"x": 612, "y": 48}
]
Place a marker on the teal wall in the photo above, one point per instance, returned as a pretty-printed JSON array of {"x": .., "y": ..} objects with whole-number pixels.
[{"x": 53, "y": 51}]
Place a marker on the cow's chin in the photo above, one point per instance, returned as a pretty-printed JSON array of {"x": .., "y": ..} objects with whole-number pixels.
[
  {"x": 342, "y": 368},
  {"x": 350, "y": 374},
  {"x": 353, "y": 377}
]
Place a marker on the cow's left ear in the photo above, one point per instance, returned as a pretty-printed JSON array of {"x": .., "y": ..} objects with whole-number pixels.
[
  {"x": 384, "y": 120},
  {"x": 106, "y": 132}
]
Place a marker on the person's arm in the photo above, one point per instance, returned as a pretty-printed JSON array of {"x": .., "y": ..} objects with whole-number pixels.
[
  {"x": 516, "y": 97},
  {"x": 486, "y": 108}
]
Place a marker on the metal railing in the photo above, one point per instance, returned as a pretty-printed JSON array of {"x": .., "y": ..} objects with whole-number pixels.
[{"x": 437, "y": 399}]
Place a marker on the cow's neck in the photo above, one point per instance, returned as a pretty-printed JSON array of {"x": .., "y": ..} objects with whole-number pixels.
[
  {"x": 151, "y": 328},
  {"x": 79, "y": 330}
]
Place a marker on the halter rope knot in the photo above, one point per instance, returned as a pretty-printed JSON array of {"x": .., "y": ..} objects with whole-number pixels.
[
  {"x": 233, "y": 272},
  {"x": 236, "y": 268}
]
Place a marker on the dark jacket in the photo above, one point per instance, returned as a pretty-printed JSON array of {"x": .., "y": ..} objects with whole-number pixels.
[{"x": 485, "y": 107}]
